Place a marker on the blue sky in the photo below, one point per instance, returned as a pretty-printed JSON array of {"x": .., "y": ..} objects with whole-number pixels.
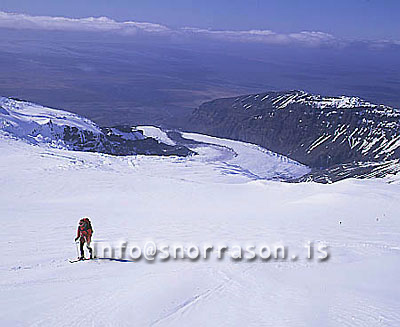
[{"x": 352, "y": 19}]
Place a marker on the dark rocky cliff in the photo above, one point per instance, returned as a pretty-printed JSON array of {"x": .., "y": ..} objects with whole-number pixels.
[
  {"x": 120, "y": 140},
  {"x": 318, "y": 131}
]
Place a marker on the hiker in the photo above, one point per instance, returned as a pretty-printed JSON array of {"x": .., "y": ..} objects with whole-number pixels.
[{"x": 84, "y": 235}]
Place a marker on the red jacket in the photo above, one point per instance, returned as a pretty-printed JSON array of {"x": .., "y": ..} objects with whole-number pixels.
[{"x": 84, "y": 232}]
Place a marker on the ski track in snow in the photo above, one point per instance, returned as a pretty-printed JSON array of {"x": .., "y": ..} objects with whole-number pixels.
[{"x": 214, "y": 197}]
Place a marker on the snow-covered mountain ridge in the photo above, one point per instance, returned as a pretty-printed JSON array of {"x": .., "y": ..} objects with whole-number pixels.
[
  {"x": 37, "y": 123},
  {"x": 281, "y": 101},
  {"x": 370, "y": 150},
  {"x": 316, "y": 130},
  {"x": 64, "y": 130},
  {"x": 58, "y": 128}
]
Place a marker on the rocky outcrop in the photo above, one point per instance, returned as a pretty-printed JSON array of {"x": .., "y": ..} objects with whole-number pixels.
[{"x": 121, "y": 141}]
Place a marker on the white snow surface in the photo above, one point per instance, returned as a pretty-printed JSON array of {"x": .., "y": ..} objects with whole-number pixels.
[
  {"x": 250, "y": 158},
  {"x": 318, "y": 101},
  {"x": 39, "y": 124},
  {"x": 45, "y": 191},
  {"x": 156, "y": 133},
  {"x": 321, "y": 102}
]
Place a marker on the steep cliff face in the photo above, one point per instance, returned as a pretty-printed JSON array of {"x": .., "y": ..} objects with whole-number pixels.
[{"x": 318, "y": 131}]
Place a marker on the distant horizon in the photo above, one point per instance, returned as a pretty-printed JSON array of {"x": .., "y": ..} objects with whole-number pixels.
[
  {"x": 350, "y": 19},
  {"x": 130, "y": 28},
  {"x": 147, "y": 63}
]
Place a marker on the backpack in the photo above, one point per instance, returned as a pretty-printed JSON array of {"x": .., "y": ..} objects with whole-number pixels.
[{"x": 87, "y": 224}]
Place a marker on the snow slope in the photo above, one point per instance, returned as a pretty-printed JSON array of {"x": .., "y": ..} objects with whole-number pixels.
[
  {"x": 37, "y": 123},
  {"x": 168, "y": 199}
]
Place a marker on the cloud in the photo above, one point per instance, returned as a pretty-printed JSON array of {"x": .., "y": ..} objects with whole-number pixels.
[
  {"x": 105, "y": 24},
  {"x": 268, "y": 36},
  {"x": 90, "y": 24}
]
